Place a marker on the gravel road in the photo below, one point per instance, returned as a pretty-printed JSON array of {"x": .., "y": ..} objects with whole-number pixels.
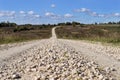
[{"x": 59, "y": 59}]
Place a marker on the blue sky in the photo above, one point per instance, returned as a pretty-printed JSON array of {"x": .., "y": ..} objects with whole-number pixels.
[{"x": 55, "y": 11}]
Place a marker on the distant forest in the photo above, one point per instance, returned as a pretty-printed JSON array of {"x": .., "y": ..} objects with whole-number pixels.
[{"x": 10, "y": 24}]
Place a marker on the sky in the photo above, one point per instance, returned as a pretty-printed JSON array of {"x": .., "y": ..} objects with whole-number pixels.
[{"x": 57, "y": 11}]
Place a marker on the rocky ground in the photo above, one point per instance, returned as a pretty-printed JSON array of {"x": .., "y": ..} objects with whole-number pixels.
[{"x": 54, "y": 59}]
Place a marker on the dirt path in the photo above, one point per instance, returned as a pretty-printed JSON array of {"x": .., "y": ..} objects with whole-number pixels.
[
  {"x": 59, "y": 59},
  {"x": 16, "y": 50},
  {"x": 100, "y": 55}
]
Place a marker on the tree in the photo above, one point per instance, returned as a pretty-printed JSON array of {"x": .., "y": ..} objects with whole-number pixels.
[
  {"x": 118, "y": 22},
  {"x": 68, "y": 23},
  {"x": 109, "y": 22},
  {"x": 7, "y": 24},
  {"x": 96, "y": 23},
  {"x": 61, "y": 24}
]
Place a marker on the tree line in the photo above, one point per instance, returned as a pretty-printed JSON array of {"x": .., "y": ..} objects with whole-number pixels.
[
  {"x": 74, "y": 23},
  {"x": 7, "y": 24},
  {"x": 108, "y": 23}
]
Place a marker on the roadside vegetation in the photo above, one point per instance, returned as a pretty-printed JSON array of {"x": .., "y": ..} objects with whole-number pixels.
[
  {"x": 104, "y": 32},
  {"x": 11, "y": 32}
]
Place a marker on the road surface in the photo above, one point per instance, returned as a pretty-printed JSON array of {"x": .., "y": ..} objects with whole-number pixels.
[{"x": 59, "y": 59}]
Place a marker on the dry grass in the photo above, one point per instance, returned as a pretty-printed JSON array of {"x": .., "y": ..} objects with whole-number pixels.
[
  {"x": 7, "y": 34},
  {"x": 109, "y": 34}
]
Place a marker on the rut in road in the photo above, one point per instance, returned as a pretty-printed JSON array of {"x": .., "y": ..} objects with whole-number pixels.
[{"x": 56, "y": 59}]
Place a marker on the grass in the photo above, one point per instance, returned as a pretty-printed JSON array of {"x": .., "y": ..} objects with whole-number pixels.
[
  {"x": 9, "y": 35},
  {"x": 97, "y": 33}
]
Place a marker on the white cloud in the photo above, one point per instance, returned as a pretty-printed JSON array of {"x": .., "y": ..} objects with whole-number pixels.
[
  {"x": 29, "y": 15},
  {"x": 36, "y": 16},
  {"x": 1, "y": 14},
  {"x": 49, "y": 14},
  {"x": 101, "y": 15},
  {"x": 22, "y": 12},
  {"x": 82, "y": 10},
  {"x": 31, "y": 12},
  {"x": 7, "y": 13},
  {"x": 68, "y": 15},
  {"x": 93, "y": 13},
  {"x": 53, "y": 5},
  {"x": 52, "y": 15},
  {"x": 12, "y": 12},
  {"x": 116, "y": 14}
]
